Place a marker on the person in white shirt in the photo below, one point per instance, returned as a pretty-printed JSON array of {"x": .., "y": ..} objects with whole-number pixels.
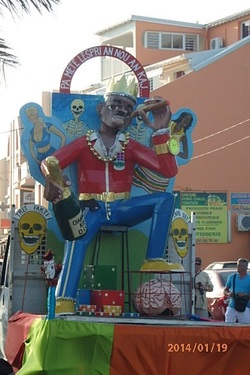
[{"x": 202, "y": 284}]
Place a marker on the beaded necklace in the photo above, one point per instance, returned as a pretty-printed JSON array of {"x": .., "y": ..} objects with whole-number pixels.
[{"x": 107, "y": 156}]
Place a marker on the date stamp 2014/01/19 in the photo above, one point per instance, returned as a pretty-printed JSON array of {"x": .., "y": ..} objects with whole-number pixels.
[{"x": 197, "y": 347}]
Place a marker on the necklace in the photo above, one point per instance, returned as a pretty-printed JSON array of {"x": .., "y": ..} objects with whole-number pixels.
[{"x": 108, "y": 156}]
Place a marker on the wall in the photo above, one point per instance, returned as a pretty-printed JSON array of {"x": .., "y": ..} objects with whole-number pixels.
[{"x": 218, "y": 94}]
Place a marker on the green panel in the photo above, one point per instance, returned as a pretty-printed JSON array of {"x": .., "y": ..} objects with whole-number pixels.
[
  {"x": 73, "y": 348},
  {"x": 100, "y": 277}
]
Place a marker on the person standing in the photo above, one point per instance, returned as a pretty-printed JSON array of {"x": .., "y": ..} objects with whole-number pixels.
[
  {"x": 203, "y": 284},
  {"x": 242, "y": 288}
]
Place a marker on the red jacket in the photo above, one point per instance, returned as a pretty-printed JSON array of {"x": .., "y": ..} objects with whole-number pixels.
[{"x": 97, "y": 175}]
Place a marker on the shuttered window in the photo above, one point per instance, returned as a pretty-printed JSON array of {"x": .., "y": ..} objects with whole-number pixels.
[
  {"x": 152, "y": 40},
  {"x": 188, "y": 42}
]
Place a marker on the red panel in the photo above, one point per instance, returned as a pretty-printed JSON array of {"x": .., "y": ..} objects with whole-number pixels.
[
  {"x": 18, "y": 329},
  {"x": 107, "y": 297}
]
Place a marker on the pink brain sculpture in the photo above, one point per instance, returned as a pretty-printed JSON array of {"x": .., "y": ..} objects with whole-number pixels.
[{"x": 155, "y": 296}]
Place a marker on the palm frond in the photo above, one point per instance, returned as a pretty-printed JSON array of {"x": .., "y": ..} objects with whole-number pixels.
[
  {"x": 6, "y": 57},
  {"x": 17, "y": 7}
]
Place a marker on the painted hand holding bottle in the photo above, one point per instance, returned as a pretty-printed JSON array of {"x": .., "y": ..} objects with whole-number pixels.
[{"x": 68, "y": 213}]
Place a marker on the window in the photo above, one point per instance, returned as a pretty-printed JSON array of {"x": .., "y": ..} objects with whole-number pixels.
[
  {"x": 188, "y": 42},
  {"x": 152, "y": 40},
  {"x": 177, "y": 41},
  {"x": 166, "y": 41},
  {"x": 179, "y": 74},
  {"x": 245, "y": 29}
]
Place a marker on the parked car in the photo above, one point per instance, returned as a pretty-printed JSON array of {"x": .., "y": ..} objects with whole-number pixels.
[
  {"x": 217, "y": 302},
  {"x": 223, "y": 265}
]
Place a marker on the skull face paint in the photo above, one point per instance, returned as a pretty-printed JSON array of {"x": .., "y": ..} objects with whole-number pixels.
[
  {"x": 77, "y": 108},
  {"x": 31, "y": 228},
  {"x": 179, "y": 232}
]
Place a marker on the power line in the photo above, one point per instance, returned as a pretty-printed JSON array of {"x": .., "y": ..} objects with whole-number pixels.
[
  {"x": 221, "y": 131},
  {"x": 221, "y": 148},
  {"x": 11, "y": 131}
]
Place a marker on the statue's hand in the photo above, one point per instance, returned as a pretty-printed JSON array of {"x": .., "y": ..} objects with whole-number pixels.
[
  {"x": 57, "y": 184},
  {"x": 53, "y": 192},
  {"x": 161, "y": 112}
]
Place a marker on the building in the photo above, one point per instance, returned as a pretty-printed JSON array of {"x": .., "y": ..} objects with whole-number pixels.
[
  {"x": 202, "y": 67},
  {"x": 4, "y": 221}
]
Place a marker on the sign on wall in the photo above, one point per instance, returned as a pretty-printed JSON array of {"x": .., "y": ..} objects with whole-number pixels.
[
  {"x": 211, "y": 215},
  {"x": 240, "y": 202}
]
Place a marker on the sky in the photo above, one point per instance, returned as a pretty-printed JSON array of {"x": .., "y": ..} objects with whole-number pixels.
[{"x": 45, "y": 44}]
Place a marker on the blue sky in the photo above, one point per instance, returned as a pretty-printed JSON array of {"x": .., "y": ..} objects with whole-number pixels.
[{"x": 45, "y": 44}]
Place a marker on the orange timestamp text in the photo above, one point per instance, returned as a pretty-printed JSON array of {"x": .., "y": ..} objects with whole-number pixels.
[{"x": 197, "y": 347}]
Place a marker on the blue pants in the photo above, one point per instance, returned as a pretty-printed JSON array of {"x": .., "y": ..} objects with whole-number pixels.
[{"x": 128, "y": 212}]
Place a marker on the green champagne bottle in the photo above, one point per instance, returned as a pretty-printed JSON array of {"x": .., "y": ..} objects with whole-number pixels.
[{"x": 68, "y": 213}]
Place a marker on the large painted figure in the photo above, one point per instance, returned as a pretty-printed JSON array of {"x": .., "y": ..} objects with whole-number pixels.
[
  {"x": 41, "y": 137},
  {"x": 105, "y": 162}
]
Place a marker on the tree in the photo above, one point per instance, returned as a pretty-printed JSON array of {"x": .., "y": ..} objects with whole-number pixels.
[{"x": 16, "y": 9}]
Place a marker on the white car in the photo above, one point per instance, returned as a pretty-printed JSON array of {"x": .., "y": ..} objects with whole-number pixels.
[{"x": 232, "y": 264}]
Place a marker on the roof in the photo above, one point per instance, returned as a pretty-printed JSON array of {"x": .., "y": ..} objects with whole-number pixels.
[
  {"x": 174, "y": 22},
  {"x": 229, "y": 18},
  {"x": 221, "y": 52},
  {"x": 150, "y": 20}
]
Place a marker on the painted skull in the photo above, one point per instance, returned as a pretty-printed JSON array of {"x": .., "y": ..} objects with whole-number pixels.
[
  {"x": 77, "y": 107},
  {"x": 179, "y": 232},
  {"x": 32, "y": 228}
]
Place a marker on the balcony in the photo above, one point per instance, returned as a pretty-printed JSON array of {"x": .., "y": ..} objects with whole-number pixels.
[{"x": 26, "y": 180}]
